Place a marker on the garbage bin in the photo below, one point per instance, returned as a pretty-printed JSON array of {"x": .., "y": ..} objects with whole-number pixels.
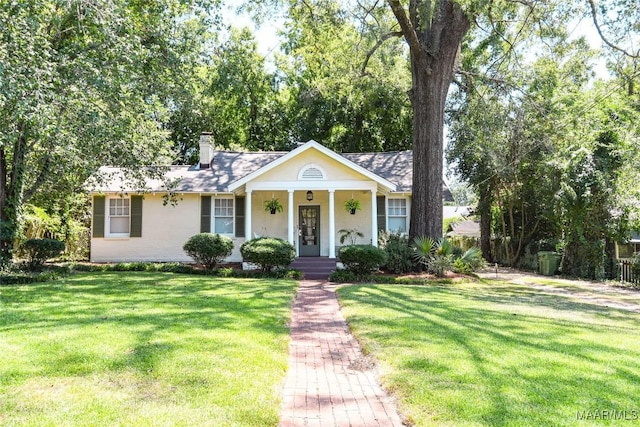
[{"x": 548, "y": 262}]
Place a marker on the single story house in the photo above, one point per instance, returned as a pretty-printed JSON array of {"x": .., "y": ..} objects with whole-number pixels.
[
  {"x": 226, "y": 194},
  {"x": 629, "y": 249}
]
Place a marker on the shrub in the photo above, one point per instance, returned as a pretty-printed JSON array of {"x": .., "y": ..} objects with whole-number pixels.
[
  {"x": 399, "y": 253},
  {"x": 38, "y": 251},
  {"x": 346, "y": 276},
  {"x": 208, "y": 249},
  {"x": 439, "y": 256},
  {"x": 362, "y": 259},
  {"x": 268, "y": 252}
]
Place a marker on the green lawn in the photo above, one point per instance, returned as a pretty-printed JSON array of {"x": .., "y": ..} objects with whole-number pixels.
[
  {"x": 143, "y": 349},
  {"x": 498, "y": 354}
]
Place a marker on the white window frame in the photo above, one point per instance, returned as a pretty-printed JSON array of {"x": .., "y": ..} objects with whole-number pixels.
[
  {"x": 405, "y": 216},
  {"x": 108, "y": 216},
  {"x": 214, "y": 216}
]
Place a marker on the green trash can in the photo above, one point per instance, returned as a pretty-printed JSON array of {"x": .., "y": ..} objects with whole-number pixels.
[{"x": 548, "y": 262}]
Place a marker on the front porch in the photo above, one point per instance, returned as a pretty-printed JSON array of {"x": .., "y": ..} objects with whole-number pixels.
[{"x": 311, "y": 218}]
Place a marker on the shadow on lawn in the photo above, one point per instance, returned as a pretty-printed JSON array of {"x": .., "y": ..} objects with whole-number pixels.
[
  {"x": 150, "y": 307},
  {"x": 519, "y": 364}
]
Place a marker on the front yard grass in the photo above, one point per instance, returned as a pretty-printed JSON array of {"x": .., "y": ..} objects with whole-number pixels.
[
  {"x": 143, "y": 349},
  {"x": 499, "y": 354}
]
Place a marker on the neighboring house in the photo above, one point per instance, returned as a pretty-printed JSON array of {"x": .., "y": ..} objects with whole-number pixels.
[
  {"x": 630, "y": 248},
  {"x": 226, "y": 193},
  {"x": 465, "y": 228}
]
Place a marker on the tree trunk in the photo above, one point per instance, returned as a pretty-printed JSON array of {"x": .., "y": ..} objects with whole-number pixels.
[
  {"x": 11, "y": 181},
  {"x": 484, "y": 210},
  {"x": 433, "y": 49}
]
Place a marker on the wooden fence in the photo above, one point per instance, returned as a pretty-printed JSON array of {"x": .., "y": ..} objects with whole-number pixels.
[{"x": 626, "y": 272}]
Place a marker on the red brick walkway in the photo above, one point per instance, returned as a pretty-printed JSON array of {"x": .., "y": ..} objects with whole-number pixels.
[{"x": 329, "y": 382}]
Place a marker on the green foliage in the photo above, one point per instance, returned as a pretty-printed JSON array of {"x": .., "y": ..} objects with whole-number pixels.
[
  {"x": 68, "y": 107},
  {"x": 347, "y": 276},
  {"x": 398, "y": 250},
  {"x": 38, "y": 251},
  {"x": 208, "y": 249},
  {"x": 268, "y": 252},
  {"x": 352, "y": 205},
  {"x": 273, "y": 205},
  {"x": 350, "y": 234},
  {"x": 21, "y": 274},
  {"x": 440, "y": 256},
  {"x": 470, "y": 261},
  {"x": 362, "y": 259},
  {"x": 63, "y": 219}
]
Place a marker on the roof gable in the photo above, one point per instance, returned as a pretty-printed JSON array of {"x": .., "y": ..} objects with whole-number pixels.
[{"x": 312, "y": 145}]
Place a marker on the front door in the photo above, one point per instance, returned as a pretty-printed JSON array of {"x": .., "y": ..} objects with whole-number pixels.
[{"x": 309, "y": 240}]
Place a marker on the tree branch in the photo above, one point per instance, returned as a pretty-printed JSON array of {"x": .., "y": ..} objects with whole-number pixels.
[
  {"x": 42, "y": 177},
  {"x": 594, "y": 15},
  {"x": 376, "y": 47},
  {"x": 408, "y": 31}
]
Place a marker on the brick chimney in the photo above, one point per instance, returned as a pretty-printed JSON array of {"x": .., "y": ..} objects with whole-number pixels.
[{"x": 206, "y": 150}]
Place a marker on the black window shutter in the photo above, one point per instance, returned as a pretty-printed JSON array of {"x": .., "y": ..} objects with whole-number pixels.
[
  {"x": 205, "y": 214},
  {"x": 382, "y": 213},
  {"x": 240, "y": 207},
  {"x": 136, "y": 216},
  {"x": 98, "y": 216}
]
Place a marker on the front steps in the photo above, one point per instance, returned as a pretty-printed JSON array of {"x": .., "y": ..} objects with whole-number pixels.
[{"x": 315, "y": 268}]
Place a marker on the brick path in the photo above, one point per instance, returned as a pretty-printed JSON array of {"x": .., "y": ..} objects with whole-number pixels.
[{"x": 329, "y": 382}]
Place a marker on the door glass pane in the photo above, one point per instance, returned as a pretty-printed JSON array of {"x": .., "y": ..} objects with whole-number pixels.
[{"x": 309, "y": 226}]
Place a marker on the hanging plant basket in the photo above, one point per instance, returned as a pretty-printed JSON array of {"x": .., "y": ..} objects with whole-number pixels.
[
  {"x": 273, "y": 206},
  {"x": 352, "y": 205}
]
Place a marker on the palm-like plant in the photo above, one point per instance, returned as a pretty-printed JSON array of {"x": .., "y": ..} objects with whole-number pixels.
[
  {"x": 435, "y": 255},
  {"x": 352, "y": 234}
]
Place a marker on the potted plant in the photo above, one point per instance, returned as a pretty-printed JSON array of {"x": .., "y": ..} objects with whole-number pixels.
[
  {"x": 352, "y": 205},
  {"x": 272, "y": 206}
]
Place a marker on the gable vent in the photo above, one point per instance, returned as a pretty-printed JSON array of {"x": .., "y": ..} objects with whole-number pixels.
[{"x": 312, "y": 173}]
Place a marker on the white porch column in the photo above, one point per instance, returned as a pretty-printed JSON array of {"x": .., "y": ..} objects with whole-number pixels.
[
  {"x": 290, "y": 234},
  {"x": 247, "y": 216},
  {"x": 332, "y": 224},
  {"x": 374, "y": 219}
]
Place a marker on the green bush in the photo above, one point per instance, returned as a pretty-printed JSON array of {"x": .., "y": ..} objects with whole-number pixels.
[
  {"x": 399, "y": 252},
  {"x": 268, "y": 252},
  {"x": 38, "y": 251},
  {"x": 362, "y": 259},
  {"x": 346, "y": 276},
  {"x": 208, "y": 249},
  {"x": 440, "y": 256}
]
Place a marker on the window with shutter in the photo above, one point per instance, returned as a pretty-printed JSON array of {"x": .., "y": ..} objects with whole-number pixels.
[
  {"x": 205, "y": 214},
  {"x": 98, "y": 215},
  {"x": 240, "y": 217}
]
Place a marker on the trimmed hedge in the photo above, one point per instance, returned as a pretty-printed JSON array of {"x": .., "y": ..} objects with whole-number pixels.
[
  {"x": 268, "y": 252},
  {"x": 362, "y": 259},
  {"x": 208, "y": 249}
]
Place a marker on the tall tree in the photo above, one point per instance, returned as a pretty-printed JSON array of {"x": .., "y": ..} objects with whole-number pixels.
[
  {"x": 82, "y": 84},
  {"x": 340, "y": 93}
]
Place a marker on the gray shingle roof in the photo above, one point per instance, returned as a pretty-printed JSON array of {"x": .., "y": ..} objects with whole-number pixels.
[{"x": 228, "y": 167}]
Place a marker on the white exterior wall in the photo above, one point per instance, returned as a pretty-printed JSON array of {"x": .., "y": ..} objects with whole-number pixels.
[{"x": 164, "y": 230}]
